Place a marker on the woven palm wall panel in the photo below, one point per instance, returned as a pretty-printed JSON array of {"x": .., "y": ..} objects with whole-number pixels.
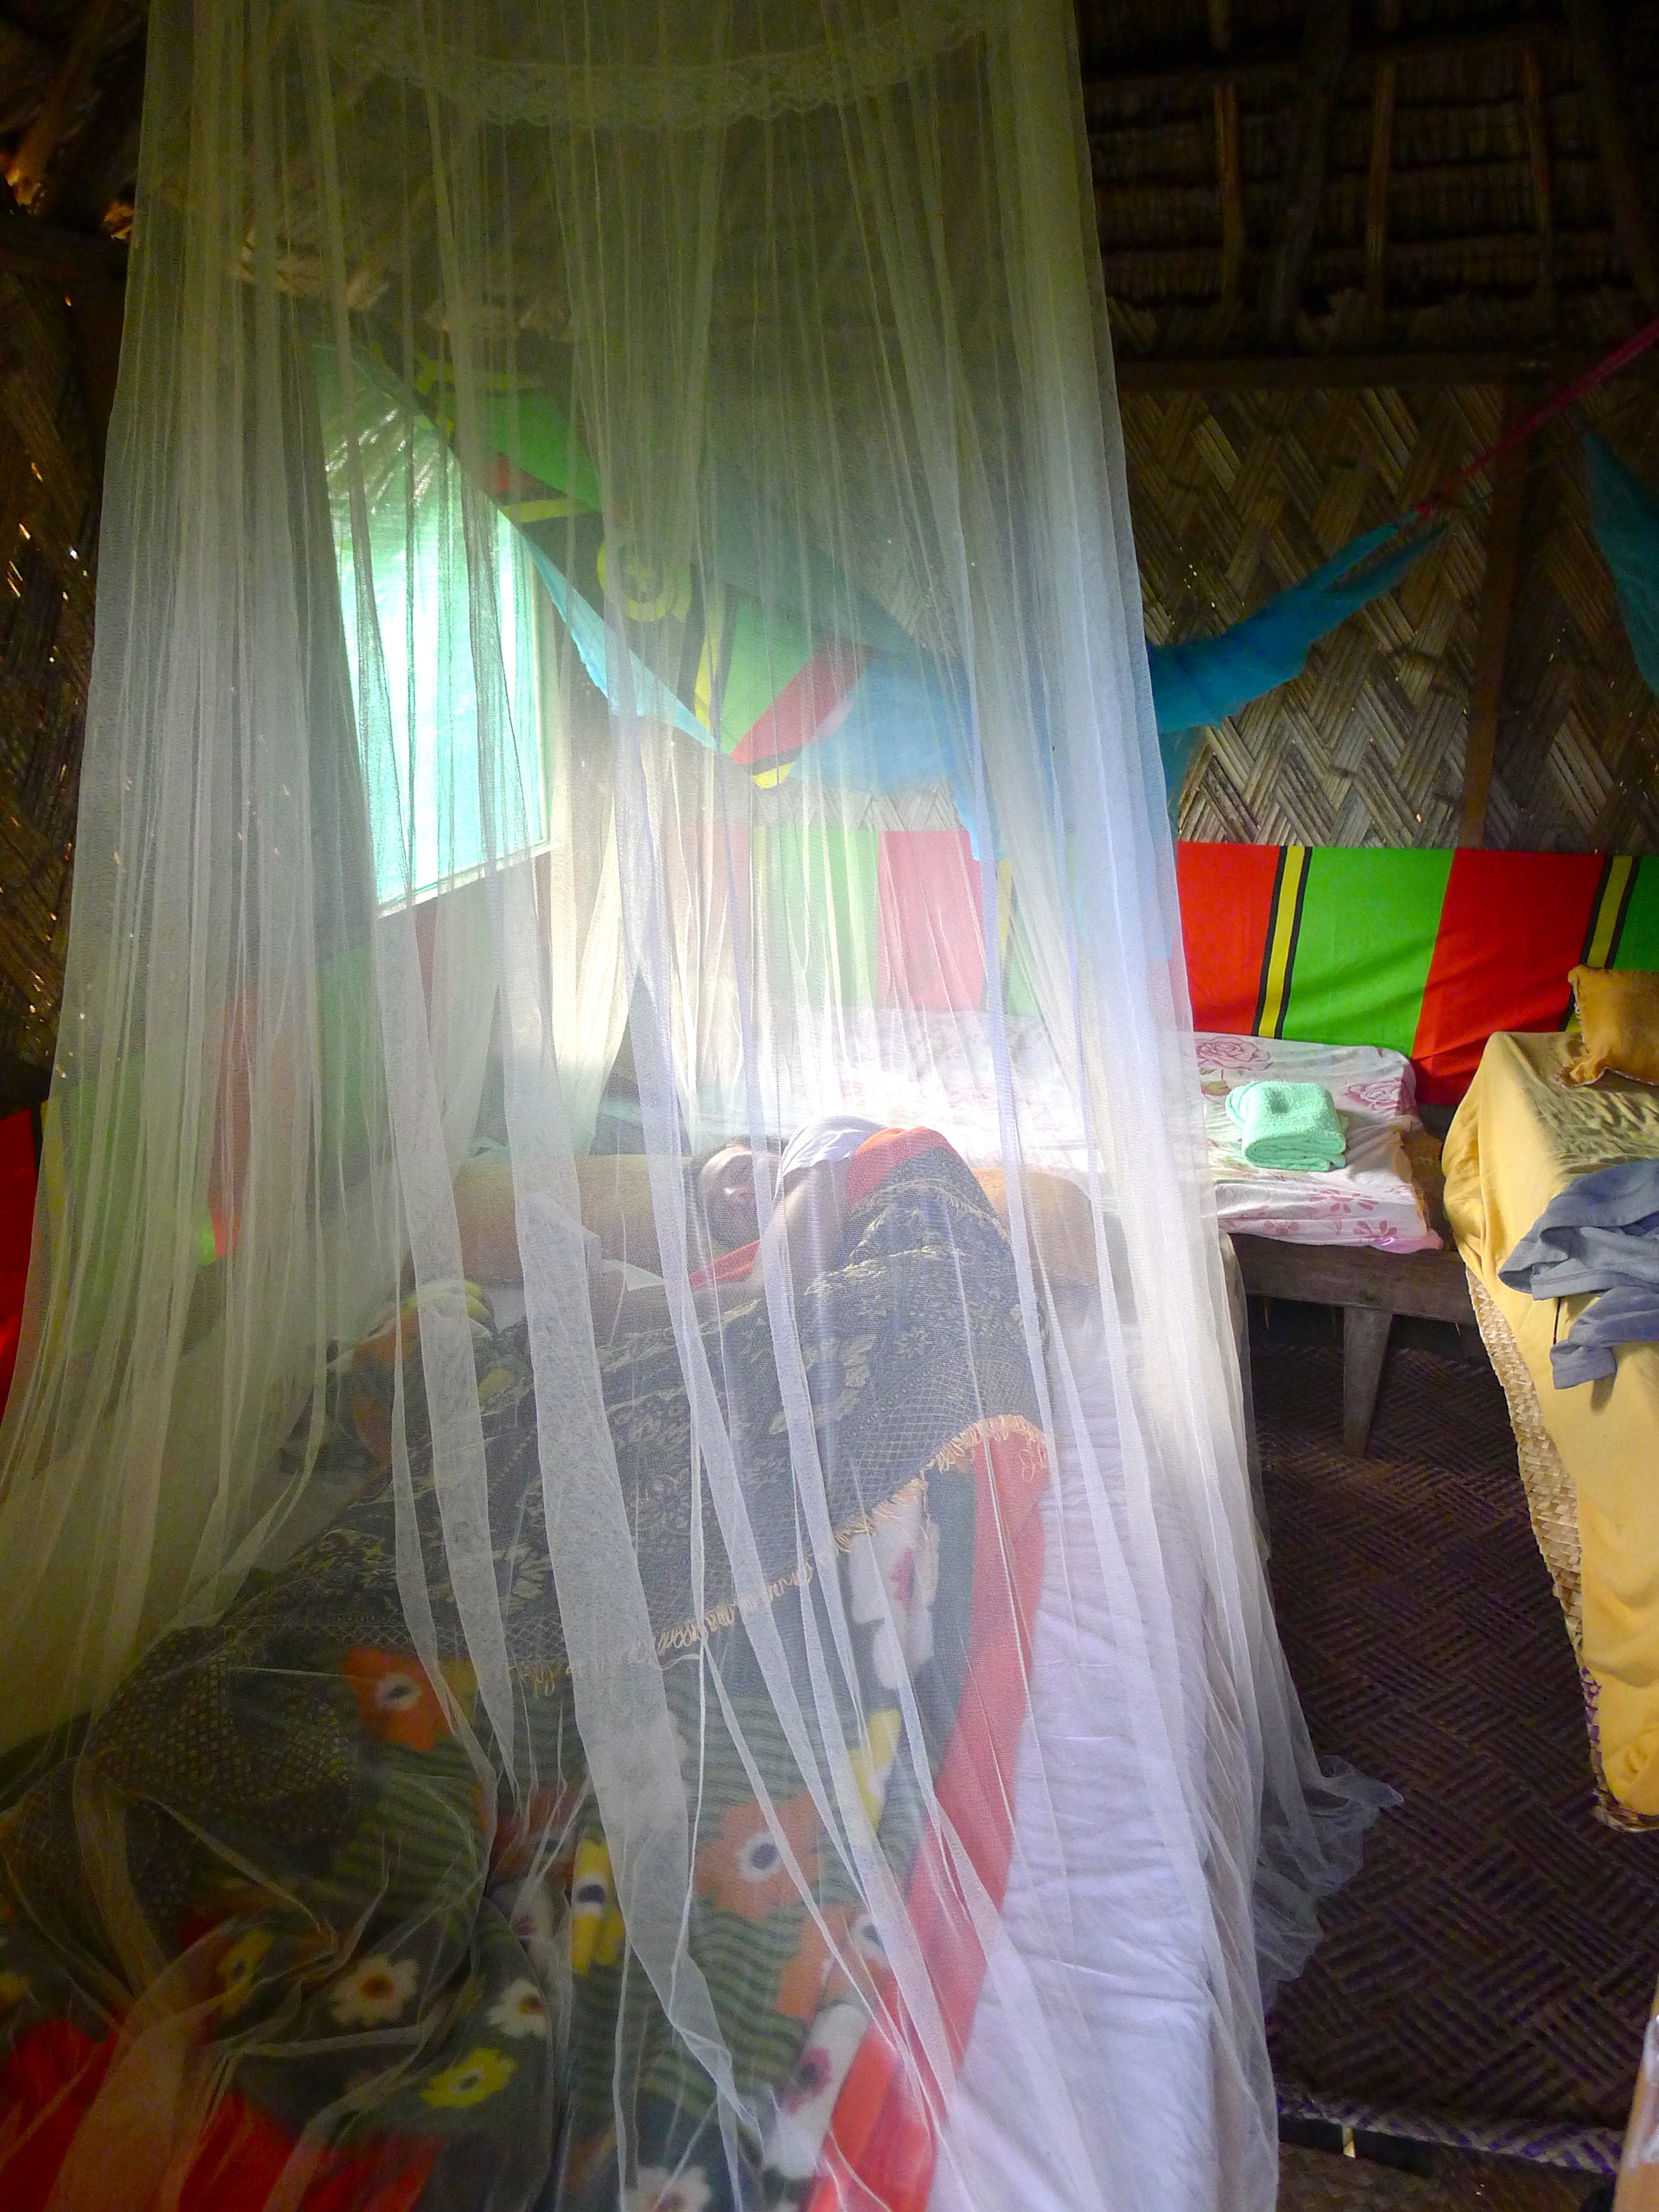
[
  {"x": 1577, "y": 750},
  {"x": 1236, "y": 494},
  {"x": 48, "y": 509}
]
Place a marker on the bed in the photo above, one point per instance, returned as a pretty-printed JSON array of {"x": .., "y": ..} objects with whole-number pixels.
[
  {"x": 1123, "y": 1959},
  {"x": 1372, "y": 1199},
  {"x": 1365, "y": 1237},
  {"x": 411, "y": 2061},
  {"x": 1587, "y": 1455},
  {"x": 912, "y": 1064}
]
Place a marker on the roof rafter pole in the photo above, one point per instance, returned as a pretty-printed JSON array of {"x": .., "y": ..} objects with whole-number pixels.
[
  {"x": 113, "y": 119},
  {"x": 27, "y": 170},
  {"x": 1353, "y": 371},
  {"x": 1491, "y": 637},
  {"x": 1266, "y": 72},
  {"x": 1229, "y": 167},
  {"x": 1543, "y": 183},
  {"x": 1325, "y": 56},
  {"x": 1383, "y": 86},
  {"x": 1592, "y": 52},
  {"x": 65, "y": 257},
  {"x": 1376, "y": 188}
]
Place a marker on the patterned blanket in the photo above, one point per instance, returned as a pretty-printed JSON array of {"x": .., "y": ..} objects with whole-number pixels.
[{"x": 285, "y": 1932}]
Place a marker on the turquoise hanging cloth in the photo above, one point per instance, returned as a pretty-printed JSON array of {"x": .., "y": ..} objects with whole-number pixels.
[
  {"x": 1625, "y": 516},
  {"x": 1199, "y": 683},
  {"x": 789, "y": 666}
]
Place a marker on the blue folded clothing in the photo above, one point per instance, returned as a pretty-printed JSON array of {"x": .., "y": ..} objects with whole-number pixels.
[
  {"x": 1601, "y": 1233},
  {"x": 1292, "y": 1126}
]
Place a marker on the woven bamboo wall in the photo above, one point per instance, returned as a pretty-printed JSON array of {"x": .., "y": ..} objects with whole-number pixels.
[
  {"x": 48, "y": 519},
  {"x": 1578, "y": 752},
  {"x": 1236, "y": 494}
]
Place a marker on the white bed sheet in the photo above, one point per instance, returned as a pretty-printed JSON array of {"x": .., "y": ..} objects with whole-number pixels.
[{"x": 1097, "y": 1915}]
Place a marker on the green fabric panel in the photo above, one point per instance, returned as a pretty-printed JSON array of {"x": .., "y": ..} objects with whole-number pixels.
[
  {"x": 1369, "y": 923},
  {"x": 1638, "y": 940},
  {"x": 824, "y": 912},
  {"x": 533, "y": 432},
  {"x": 768, "y": 651},
  {"x": 1018, "y": 993}
]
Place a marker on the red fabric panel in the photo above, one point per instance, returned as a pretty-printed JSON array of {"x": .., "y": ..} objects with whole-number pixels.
[
  {"x": 930, "y": 937},
  {"x": 1227, "y": 908},
  {"x": 16, "y": 1227},
  {"x": 814, "y": 697},
  {"x": 48, "y": 2088},
  {"x": 1512, "y": 926}
]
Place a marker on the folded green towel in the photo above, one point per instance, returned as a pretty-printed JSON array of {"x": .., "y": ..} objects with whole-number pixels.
[{"x": 1287, "y": 1125}]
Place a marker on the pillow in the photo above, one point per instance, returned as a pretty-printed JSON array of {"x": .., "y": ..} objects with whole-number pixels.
[
  {"x": 1619, "y": 1025},
  {"x": 615, "y": 1194},
  {"x": 615, "y": 1204}
]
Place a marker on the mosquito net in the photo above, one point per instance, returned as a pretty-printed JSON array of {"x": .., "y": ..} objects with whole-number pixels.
[{"x": 627, "y": 1577}]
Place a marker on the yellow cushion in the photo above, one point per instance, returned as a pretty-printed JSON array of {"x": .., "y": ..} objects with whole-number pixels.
[
  {"x": 615, "y": 1204},
  {"x": 1618, "y": 1023}
]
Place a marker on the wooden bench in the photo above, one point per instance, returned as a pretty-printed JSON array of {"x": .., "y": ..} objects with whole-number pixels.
[{"x": 1372, "y": 1287}]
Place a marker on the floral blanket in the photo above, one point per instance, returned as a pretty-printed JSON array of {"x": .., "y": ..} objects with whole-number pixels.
[{"x": 283, "y": 1932}]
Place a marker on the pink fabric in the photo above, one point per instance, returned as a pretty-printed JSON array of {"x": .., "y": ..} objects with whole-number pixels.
[{"x": 930, "y": 940}]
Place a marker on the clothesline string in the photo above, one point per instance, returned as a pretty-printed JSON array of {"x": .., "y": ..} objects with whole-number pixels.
[{"x": 1618, "y": 360}]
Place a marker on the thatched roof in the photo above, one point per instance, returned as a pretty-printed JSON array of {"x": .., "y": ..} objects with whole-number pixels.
[
  {"x": 1334, "y": 233},
  {"x": 1390, "y": 174}
]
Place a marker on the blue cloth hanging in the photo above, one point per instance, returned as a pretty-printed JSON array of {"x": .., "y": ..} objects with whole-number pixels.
[
  {"x": 1199, "y": 683},
  {"x": 902, "y": 725},
  {"x": 1625, "y": 516}
]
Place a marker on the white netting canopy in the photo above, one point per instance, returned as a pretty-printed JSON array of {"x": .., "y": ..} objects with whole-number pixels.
[{"x": 626, "y": 1573}]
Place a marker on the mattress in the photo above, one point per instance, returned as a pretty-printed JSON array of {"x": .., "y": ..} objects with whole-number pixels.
[
  {"x": 1370, "y": 1199},
  {"x": 1100, "y": 1923},
  {"x": 1099, "y": 1919},
  {"x": 1519, "y": 1137}
]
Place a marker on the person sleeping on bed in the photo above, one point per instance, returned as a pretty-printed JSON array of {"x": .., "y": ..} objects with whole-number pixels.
[
  {"x": 374, "y": 1988},
  {"x": 825, "y": 1167}
]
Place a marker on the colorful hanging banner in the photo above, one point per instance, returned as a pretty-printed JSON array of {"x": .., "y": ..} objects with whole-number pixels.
[{"x": 1425, "y": 953}]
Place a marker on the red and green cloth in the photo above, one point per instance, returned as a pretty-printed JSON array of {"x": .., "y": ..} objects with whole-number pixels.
[{"x": 1425, "y": 953}]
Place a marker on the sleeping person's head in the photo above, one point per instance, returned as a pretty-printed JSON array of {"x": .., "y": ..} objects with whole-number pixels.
[{"x": 723, "y": 1189}]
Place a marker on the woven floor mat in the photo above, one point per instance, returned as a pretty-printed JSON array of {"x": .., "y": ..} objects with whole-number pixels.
[
  {"x": 1317, "y": 2181},
  {"x": 1496, "y": 1957}
]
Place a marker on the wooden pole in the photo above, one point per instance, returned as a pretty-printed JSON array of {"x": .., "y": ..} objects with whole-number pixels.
[
  {"x": 1377, "y": 190},
  {"x": 28, "y": 248},
  {"x": 1543, "y": 185},
  {"x": 1352, "y": 372},
  {"x": 1229, "y": 167},
  {"x": 1325, "y": 57},
  {"x": 26, "y": 170},
  {"x": 1593, "y": 55},
  {"x": 1266, "y": 72},
  {"x": 1384, "y": 84},
  {"x": 1492, "y": 640}
]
